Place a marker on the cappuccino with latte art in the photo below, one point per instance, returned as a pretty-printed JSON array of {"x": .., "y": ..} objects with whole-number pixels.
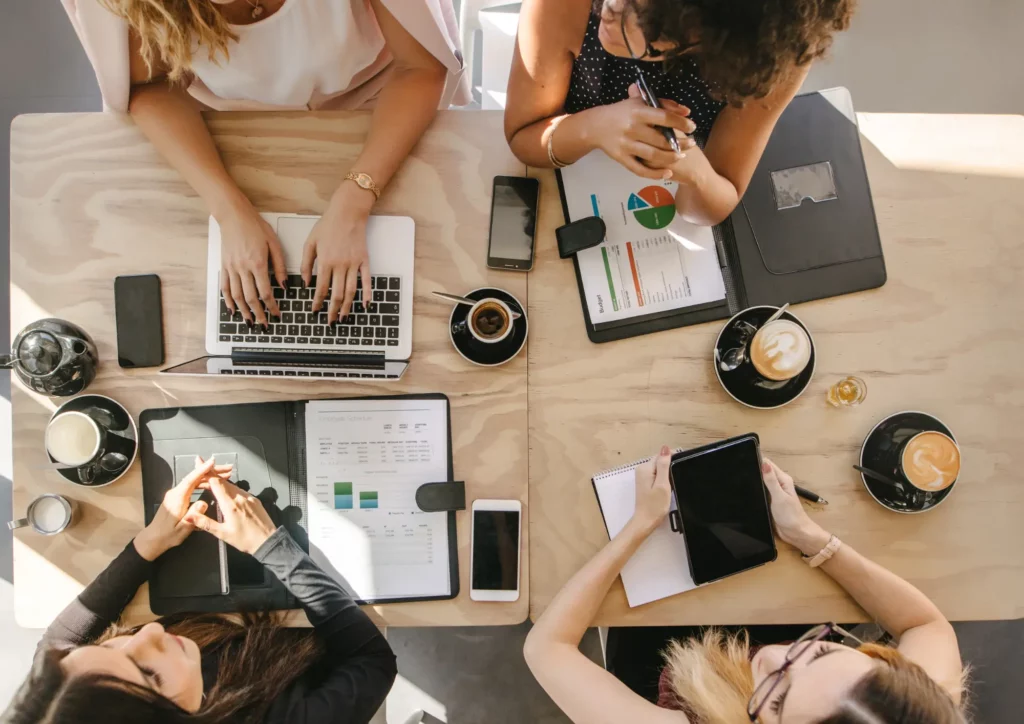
[
  {"x": 780, "y": 350},
  {"x": 930, "y": 461}
]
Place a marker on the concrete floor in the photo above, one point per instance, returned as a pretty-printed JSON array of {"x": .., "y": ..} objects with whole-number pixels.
[{"x": 912, "y": 56}]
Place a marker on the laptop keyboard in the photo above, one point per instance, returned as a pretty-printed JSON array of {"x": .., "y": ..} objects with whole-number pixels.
[{"x": 372, "y": 321}]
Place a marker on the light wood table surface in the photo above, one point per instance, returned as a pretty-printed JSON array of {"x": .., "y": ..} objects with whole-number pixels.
[
  {"x": 91, "y": 199},
  {"x": 945, "y": 335}
]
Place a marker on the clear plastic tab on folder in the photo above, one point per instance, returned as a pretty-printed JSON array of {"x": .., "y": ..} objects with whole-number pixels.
[{"x": 793, "y": 185}]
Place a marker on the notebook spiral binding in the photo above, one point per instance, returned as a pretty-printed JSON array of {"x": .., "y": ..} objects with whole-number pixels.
[{"x": 629, "y": 466}]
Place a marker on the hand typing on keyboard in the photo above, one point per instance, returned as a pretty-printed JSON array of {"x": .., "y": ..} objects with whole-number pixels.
[
  {"x": 338, "y": 245},
  {"x": 246, "y": 243}
]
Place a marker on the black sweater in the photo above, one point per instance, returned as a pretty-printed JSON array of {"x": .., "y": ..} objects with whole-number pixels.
[{"x": 353, "y": 677}]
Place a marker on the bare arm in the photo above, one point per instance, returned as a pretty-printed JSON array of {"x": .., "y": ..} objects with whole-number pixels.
[
  {"x": 406, "y": 106},
  {"x": 170, "y": 118},
  {"x": 712, "y": 181},
  {"x": 583, "y": 690},
  {"x": 925, "y": 636}
]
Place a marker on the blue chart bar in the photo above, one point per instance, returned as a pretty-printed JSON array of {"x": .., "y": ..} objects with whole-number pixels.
[
  {"x": 343, "y": 502},
  {"x": 367, "y": 503},
  {"x": 593, "y": 202}
]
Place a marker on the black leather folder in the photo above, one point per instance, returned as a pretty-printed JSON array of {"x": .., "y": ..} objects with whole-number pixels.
[
  {"x": 269, "y": 439},
  {"x": 782, "y": 244}
]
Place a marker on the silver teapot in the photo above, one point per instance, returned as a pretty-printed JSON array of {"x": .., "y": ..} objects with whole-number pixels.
[{"x": 53, "y": 357}]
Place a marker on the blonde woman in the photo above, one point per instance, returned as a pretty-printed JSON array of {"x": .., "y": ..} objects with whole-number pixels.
[
  {"x": 717, "y": 679},
  {"x": 180, "y": 56}
]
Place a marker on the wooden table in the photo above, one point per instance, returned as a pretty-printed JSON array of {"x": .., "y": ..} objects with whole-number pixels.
[
  {"x": 944, "y": 335},
  {"x": 91, "y": 199}
]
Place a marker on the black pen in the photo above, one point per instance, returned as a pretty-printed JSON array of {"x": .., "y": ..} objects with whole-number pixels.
[
  {"x": 651, "y": 100},
  {"x": 810, "y": 495}
]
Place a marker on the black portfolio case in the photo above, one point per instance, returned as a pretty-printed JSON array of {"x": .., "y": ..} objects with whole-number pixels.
[{"x": 772, "y": 255}]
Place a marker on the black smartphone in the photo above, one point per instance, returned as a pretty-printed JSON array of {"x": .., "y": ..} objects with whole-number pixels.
[
  {"x": 513, "y": 223},
  {"x": 724, "y": 508},
  {"x": 138, "y": 316}
]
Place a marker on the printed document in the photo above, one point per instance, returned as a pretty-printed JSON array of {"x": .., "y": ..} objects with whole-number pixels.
[
  {"x": 365, "y": 460},
  {"x": 652, "y": 260}
]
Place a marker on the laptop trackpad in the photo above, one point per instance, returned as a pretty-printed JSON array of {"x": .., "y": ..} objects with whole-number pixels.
[{"x": 293, "y": 232}]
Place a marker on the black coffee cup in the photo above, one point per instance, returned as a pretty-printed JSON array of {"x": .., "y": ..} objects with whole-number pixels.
[{"x": 492, "y": 331}]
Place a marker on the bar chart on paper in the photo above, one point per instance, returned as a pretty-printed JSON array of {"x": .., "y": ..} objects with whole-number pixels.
[
  {"x": 652, "y": 260},
  {"x": 366, "y": 460},
  {"x": 343, "y": 496}
]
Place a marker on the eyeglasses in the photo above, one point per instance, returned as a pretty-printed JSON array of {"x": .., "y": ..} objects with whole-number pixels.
[
  {"x": 763, "y": 693},
  {"x": 649, "y": 50}
]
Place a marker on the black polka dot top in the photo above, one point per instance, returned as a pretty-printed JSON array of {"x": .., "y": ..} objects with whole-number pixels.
[{"x": 600, "y": 78}]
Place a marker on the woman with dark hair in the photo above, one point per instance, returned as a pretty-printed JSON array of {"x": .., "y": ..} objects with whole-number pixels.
[
  {"x": 723, "y": 71},
  {"x": 714, "y": 678},
  {"x": 208, "y": 668}
]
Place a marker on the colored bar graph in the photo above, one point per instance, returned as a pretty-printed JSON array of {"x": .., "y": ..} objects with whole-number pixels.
[
  {"x": 611, "y": 281},
  {"x": 636, "y": 278},
  {"x": 368, "y": 499},
  {"x": 343, "y": 496}
]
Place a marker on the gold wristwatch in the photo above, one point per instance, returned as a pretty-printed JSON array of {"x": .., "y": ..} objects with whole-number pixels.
[{"x": 365, "y": 181}]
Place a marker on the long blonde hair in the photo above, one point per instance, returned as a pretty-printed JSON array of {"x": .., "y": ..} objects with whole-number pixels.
[
  {"x": 171, "y": 30},
  {"x": 712, "y": 682}
]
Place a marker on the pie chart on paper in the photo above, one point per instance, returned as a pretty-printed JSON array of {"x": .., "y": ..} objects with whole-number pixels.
[{"x": 653, "y": 206}]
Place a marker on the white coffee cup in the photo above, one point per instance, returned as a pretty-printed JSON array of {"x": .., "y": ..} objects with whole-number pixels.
[
  {"x": 481, "y": 308},
  {"x": 780, "y": 350},
  {"x": 48, "y": 514},
  {"x": 74, "y": 438}
]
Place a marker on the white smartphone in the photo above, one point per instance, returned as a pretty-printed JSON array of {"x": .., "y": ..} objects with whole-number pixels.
[{"x": 494, "y": 552}]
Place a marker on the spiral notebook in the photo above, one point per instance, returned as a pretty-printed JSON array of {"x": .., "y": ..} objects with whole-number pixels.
[{"x": 660, "y": 567}]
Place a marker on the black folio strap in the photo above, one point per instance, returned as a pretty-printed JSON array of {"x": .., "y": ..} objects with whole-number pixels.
[{"x": 441, "y": 497}]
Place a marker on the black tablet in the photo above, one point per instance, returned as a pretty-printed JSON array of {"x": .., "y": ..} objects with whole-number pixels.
[{"x": 723, "y": 508}]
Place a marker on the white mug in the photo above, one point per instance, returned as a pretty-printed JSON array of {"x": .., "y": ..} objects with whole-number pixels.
[{"x": 48, "y": 514}]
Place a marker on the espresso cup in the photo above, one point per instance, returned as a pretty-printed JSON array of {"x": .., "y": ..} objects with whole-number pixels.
[
  {"x": 47, "y": 515},
  {"x": 780, "y": 350},
  {"x": 930, "y": 461},
  {"x": 489, "y": 321}
]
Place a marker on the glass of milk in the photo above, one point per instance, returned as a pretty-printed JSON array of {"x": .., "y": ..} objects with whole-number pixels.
[{"x": 47, "y": 515}]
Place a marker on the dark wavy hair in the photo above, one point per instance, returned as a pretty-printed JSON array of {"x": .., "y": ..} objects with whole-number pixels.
[
  {"x": 744, "y": 48},
  {"x": 256, "y": 660}
]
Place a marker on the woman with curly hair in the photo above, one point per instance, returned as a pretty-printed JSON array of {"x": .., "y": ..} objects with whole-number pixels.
[
  {"x": 208, "y": 669},
  {"x": 713, "y": 678},
  {"x": 723, "y": 71}
]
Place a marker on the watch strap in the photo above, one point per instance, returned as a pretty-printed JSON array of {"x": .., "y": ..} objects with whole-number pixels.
[
  {"x": 369, "y": 184},
  {"x": 825, "y": 554}
]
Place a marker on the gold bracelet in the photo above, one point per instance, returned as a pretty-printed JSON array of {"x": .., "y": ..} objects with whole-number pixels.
[{"x": 551, "y": 151}]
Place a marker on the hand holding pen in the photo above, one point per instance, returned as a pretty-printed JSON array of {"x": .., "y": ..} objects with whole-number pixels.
[
  {"x": 627, "y": 131},
  {"x": 648, "y": 97}
]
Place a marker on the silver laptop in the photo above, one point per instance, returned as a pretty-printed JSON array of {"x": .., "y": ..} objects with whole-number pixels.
[{"x": 373, "y": 341}]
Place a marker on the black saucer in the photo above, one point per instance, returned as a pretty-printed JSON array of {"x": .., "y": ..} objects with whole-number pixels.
[
  {"x": 122, "y": 437},
  {"x": 744, "y": 384},
  {"x": 880, "y": 452},
  {"x": 480, "y": 353}
]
